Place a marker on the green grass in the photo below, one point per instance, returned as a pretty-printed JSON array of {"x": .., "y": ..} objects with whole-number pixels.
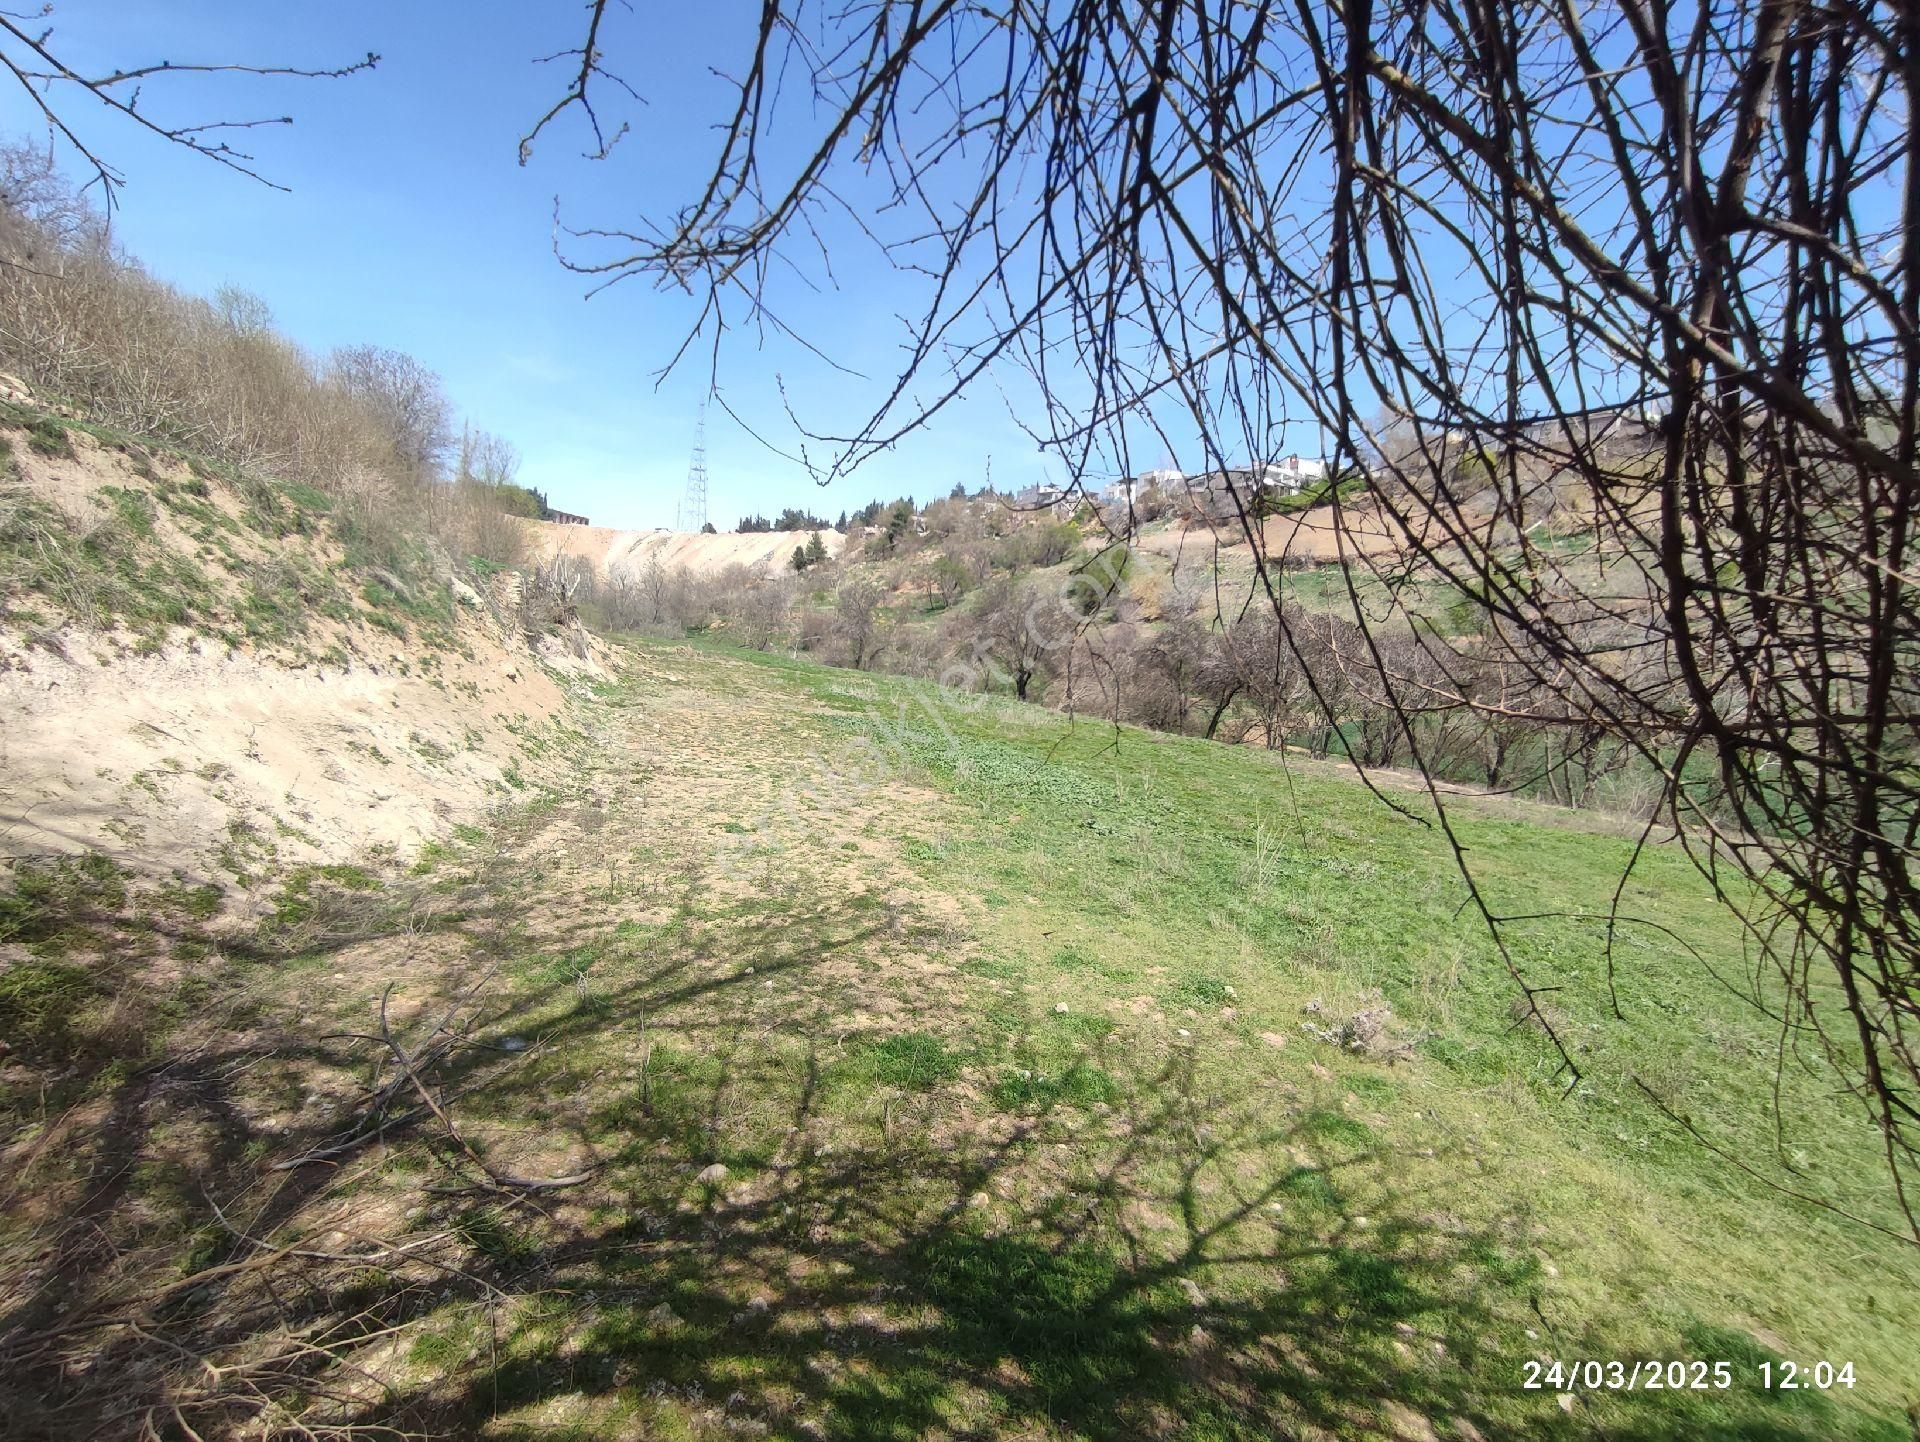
[
  {"x": 313, "y": 894},
  {"x": 1213, "y": 881},
  {"x": 914, "y": 1061},
  {"x": 112, "y": 573},
  {"x": 41, "y": 1003},
  {"x": 1025, "y": 1126},
  {"x": 48, "y": 436},
  {"x": 1080, "y": 1084},
  {"x": 48, "y": 898},
  {"x": 195, "y": 902}
]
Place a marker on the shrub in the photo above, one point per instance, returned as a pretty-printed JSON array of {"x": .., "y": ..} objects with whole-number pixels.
[{"x": 363, "y": 434}]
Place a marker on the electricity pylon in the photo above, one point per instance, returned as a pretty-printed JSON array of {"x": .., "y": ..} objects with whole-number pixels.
[{"x": 693, "y": 505}]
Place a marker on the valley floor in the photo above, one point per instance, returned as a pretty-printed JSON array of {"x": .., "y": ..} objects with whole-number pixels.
[{"x": 814, "y": 1055}]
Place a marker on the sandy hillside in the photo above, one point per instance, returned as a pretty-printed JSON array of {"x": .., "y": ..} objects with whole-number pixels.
[
  {"x": 1311, "y": 534},
  {"x": 218, "y": 760},
  {"x": 191, "y": 746},
  {"x": 616, "y": 553}
]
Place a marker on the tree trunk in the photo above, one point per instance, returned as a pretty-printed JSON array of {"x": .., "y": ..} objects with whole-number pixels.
[{"x": 1213, "y": 721}]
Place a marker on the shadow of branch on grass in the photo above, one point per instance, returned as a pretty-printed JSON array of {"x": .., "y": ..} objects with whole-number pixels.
[{"x": 890, "y": 1255}]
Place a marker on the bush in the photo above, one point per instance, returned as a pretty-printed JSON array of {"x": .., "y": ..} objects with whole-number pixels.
[
  {"x": 1034, "y": 546},
  {"x": 367, "y": 430},
  {"x": 1320, "y": 493}
]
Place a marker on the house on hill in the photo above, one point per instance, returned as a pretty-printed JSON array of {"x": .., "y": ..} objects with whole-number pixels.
[
  {"x": 565, "y": 518},
  {"x": 1040, "y": 497},
  {"x": 1295, "y": 473},
  {"x": 1128, "y": 490},
  {"x": 1215, "y": 495},
  {"x": 1602, "y": 432}
]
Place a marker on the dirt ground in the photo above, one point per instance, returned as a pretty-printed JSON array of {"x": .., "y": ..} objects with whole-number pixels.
[
  {"x": 175, "y": 749},
  {"x": 695, "y": 879},
  {"x": 1311, "y": 534},
  {"x": 164, "y": 759},
  {"x": 617, "y": 553}
]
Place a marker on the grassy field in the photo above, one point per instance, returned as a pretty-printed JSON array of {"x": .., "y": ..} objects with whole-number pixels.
[{"x": 938, "y": 1068}]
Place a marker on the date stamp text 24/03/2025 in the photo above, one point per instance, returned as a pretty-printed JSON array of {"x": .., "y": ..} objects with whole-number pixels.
[{"x": 1681, "y": 1375}]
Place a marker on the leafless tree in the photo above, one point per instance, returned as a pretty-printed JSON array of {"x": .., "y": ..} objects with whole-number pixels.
[
  {"x": 33, "y": 189},
  {"x": 1657, "y": 268},
  {"x": 32, "y": 52},
  {"x": 1015, "y": 634},
  {"x": 242, "y": 312},
  {"x": 1169, "y": 671},
  {"x": 760, "y": 606},
  {"x": 408, "y": 397},
  {"x": 486, "y": 458},
  {"x": 1255, "y": 665}
]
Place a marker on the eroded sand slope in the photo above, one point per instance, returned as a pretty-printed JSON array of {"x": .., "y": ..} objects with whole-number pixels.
[
  {"x": 616, "y": 553},
  {"x": 227, "y": 744}
]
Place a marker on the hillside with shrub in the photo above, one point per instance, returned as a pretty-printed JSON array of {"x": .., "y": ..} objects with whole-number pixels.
[
  {"x": 242, "y": 591},
  {"x": 1153, "y": 613}
]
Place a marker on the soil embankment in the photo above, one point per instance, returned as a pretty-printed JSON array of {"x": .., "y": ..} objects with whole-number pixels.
[
  {"x": 1309, "y": 535},
  {"x": 204, "y": 676},
  {"x": 619, "y": 554}
]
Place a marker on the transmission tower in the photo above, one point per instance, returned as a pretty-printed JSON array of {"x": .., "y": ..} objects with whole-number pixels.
[{"x": 693, "y": 505}]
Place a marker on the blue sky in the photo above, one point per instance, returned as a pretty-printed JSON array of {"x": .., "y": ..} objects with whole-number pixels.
[{"x": 410, "y": 224}]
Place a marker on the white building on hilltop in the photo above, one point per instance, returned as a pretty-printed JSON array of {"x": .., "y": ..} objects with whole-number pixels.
[
  {"x": 1295, "y": 473},
  {"x": 1040, "y": 497},
  {"x": 1128, "y": 489}
]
